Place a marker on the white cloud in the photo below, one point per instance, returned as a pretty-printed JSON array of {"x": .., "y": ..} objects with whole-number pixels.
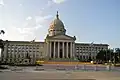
[
  {"x": 49, "y": 3},
  {"x": 15, "y": 33},
  {"x": 20, "y": 4},
  {"x": 29, "y": 18},
  {"x": 41, "y": 13},
  {"x": 42, "y": 19},
  {"x": 52, "y": 2},
  {"x": 38, "y": 26},
  {"x": 1, "y": 3},
  {"x": 42, "y": 8},
  {"x": 25, "y": 30},
  {"x": 36, "y": 21},
  {"x": 32, "y": 24},
  {"x": 11, "y": 33},
  {"x": 58, "y": 1}
]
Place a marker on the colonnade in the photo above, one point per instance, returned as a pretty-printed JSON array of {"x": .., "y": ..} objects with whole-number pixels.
[{"x": 57, "y": 49}]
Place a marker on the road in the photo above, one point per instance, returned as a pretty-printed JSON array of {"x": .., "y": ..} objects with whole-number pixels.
[
  {"x": 54, "y": 75},
  {"x": 50, "y": 72}
]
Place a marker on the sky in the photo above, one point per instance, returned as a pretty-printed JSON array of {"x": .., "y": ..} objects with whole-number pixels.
[{"x": 95, "y": 21}]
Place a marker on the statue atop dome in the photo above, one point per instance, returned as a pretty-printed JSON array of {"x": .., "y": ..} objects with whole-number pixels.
[{"x": 57, "y": 16}]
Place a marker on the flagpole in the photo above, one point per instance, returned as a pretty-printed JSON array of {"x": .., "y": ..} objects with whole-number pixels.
[
  {"x": 33, "y": 41},
  {"x": 91, "y": 49}
]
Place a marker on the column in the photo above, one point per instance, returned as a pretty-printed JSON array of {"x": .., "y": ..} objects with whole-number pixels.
[
  {"x": 50, "y": 50},
  {"x": 67, "y": 49},
  {"x": 4, "y": 53},
  {"x": 58, "y": 49},
  {"x": 7, "y": 53},
  {"x": 36, "y": 57},
  {"x": 63, "y": 50},
  {"x": 47, "y": 51},
  {"x": 71, "y": 49},
  {"x": 54, "y": 50},
  {"x": 34, "y": 52},
  {"x": 82, "y": 56}
]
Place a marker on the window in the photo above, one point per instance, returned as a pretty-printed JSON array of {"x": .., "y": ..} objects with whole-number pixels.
[
  {"x": 37, "y": 48},
  {"x": 77, "y": 49},
  {"x": 37, "y": 45}
]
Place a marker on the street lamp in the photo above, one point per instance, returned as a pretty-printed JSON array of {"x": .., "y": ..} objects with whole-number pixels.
[
  {"x": 114, "y": 56},
  {"x": 106, "y": 61},
  {"x": 110, "y": 57}
]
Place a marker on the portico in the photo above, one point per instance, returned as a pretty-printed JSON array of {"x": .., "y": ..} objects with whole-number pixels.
[
  {"x": 60, "y": 46},
  {"x": 60, "y": 49}
]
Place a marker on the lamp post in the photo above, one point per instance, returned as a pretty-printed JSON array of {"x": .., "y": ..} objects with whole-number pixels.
[
  {"x": 109, "y": 65},
  {"x": 110, "y": 57},
  {"x": 114, "y": 56}
]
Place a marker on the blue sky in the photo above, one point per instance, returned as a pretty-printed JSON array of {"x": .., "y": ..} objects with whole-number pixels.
[{"x": 88, "y": 20}]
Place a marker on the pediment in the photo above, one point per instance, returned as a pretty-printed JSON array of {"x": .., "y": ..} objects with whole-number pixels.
[{"x": 62, "y": 37}]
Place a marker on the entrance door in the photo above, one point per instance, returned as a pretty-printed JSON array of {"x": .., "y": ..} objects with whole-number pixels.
[{"x": 60, "y": 53}]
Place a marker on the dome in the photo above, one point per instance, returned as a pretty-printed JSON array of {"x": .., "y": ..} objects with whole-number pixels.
[
  {"x": 56, "y": 27},
  {"x": 56, "y": 23}
]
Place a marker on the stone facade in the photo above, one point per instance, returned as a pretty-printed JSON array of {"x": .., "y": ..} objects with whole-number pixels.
[
  {"x": 57, "y": 45},
  {"x": 85, "y": 50},
  {"x": 20, "y": 50}
]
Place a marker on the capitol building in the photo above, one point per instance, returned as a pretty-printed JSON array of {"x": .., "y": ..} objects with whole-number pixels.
[{"x": 57, "y": 46}]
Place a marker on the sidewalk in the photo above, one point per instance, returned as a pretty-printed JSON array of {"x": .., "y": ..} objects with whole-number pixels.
[{"x": 73, "y": 63}]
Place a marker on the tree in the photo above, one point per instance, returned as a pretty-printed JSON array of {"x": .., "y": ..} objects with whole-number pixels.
[
  {"x": 2, "y": 32},
  {"x": 109, "y": 55},
  {"x": 105, "y": 55},
  {"x": 117, "y": 55},
  {"x": 1, "y": 41},
  {"x": 2, "y": 49},
  {"x": 101, "y": 55},
  {"x": 1, "y": 44}
]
